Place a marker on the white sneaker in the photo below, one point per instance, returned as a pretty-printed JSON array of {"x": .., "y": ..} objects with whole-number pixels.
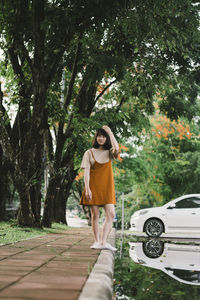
[
  {"x": 95, "y": 246},
  {"x": 102, "y": 247},
  {"x": 109, "y": 247},
  {"x": 98, "y": 246}
]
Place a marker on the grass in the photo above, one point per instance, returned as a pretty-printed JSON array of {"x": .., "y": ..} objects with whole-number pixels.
[{"x": 10, "y": 232}]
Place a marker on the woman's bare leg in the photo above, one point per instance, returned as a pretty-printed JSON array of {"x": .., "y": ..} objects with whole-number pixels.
[
  {"x": 95, "y": 222},
  {"x": 107, "y": 225}
]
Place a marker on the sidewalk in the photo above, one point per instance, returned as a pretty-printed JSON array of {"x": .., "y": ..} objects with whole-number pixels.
[{"x": 54, "y": 266}]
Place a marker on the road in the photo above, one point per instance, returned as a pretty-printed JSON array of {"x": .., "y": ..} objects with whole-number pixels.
[{"x": 75, "y": 221}]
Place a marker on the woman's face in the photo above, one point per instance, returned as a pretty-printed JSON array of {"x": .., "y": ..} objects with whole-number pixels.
[{"x": 101, "y": 139}]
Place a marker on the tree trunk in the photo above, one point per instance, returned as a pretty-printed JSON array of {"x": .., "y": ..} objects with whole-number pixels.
[
  {"x": 25, "y": 216},
  {"x": 59, "y": 212},
  {"x": 57, "y": 194},
  {"x": 2, "y": 188},
  {"x": 48, "y": 204},
  {"x": 35, "y": 196}
]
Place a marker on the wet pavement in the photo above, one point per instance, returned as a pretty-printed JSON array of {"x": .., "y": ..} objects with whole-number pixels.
[
  {"x": 181, "y": 261},
  {"x": 53, "y": 266},
  {"x": 158, "y": 268}
]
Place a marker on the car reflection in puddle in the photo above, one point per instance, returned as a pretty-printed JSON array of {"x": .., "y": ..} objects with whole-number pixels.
[{"x": 179, "y": 261}]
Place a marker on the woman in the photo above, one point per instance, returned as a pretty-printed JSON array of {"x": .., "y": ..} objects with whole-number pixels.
[{"x": 99, "y": 183}]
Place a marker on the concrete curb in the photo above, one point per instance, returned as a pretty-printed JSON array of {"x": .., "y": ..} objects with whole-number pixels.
[{"x": 99, "y": 285}]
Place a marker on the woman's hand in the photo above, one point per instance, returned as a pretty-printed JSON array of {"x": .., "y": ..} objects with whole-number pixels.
[
  {"x": 88, "y": 195},
  {"x": 107, "y": 129}
]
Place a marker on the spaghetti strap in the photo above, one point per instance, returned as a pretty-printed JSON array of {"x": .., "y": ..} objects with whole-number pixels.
[{"x": 92, "y": 155}]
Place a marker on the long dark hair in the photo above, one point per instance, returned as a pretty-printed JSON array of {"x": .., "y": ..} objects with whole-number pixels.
[{"x": 107, "y": 145}]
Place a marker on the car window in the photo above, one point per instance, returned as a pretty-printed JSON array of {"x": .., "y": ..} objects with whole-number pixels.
[
  {"x": 193, "y": 202},
  {"x": 188, "y": 275}
]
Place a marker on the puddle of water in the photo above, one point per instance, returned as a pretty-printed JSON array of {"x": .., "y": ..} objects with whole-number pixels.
[{"x": 157, "y": 269}]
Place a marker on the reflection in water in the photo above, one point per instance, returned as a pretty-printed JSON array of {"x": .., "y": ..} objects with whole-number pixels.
[{"x": 179, "y": 261}]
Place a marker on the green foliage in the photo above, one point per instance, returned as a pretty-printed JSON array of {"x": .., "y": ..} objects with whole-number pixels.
[
  {"x": 170, "y": 165},
  {"x": 72, "y": 204}
]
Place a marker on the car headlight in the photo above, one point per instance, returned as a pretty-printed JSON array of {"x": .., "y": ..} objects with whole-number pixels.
[
  {"x": 143, "y": 212},
  {"x": 136, "y": 214},
  {"x": 140, "y": 213}
]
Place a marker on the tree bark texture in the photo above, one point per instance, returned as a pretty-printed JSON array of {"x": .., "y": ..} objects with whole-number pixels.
[
  {"x": 3, "y": 189},
  {"x": 60, "y": 201}
]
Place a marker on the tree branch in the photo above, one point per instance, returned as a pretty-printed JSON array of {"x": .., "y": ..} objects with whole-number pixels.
[
  {"x": 20, "y": 15},
  {"x": 5, "y": 140},
  {"x": 26, "y": 54},
  {"x": 84, "y": 83},
  {"x": 61, "y": 137},
  {"x": 74, "y": 72},
  {"x": 4, "y": 112},
  {"x": 78, "y": 99},
  {"x": 101, "y": 94},
  {"x": 49, "y": 143},
  {"x": 120, "y": 104},
  {"x": 57, "y": 59},
  {"x": 15, "y": 63},
  {"x": 38, "y": 32},
  {"x": 20, "y": 127}
]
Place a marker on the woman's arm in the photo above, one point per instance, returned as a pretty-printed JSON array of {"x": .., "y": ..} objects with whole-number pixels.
[
  {"x": 114, "y": 143},
  {"x": 88, "y": 192}
]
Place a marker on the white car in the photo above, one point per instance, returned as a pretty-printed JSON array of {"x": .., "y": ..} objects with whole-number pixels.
[
  {"x": 179, "y": 261},
  {"x": 179, "y": 217}
]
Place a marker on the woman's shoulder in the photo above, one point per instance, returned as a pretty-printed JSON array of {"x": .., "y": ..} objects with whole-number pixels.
[
  {"x": 88, "y": 152},
  {"x": 86, "y": 161},
  {"x": 98, "y": 150}
]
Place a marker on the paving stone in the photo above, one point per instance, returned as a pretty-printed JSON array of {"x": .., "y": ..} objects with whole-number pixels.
[
  {"x": 80, "y": 254},
  {"x": 14, "y": 271},
  {"x": 6, "y": 280},
  {"x": 74, "y": 271},
  {"x": 27, "y": 244},
  {"x": 54, "y": 266},
  {"x": 70, "y": 282},
  {"x": 16, "y": 262},
  {"x": 37, "y": 256},
  {"x": 61, "y": 245},
  {"x": 66, "y": 264},
  {"x": 12, "y": 298},
  {"x": 7, "y": 251},
  {"x": 84, "y": 248},
  {"x": 74, "y": 259},
  {"x": 39, "y": 293}
]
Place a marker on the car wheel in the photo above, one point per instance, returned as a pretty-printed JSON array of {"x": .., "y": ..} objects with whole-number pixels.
[
  {"x": 153, "y": 227},
  {"x": 153, "y": 248}
]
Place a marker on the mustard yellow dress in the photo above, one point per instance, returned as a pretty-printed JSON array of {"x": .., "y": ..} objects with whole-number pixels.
[{"x": 101, "y": 184}]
